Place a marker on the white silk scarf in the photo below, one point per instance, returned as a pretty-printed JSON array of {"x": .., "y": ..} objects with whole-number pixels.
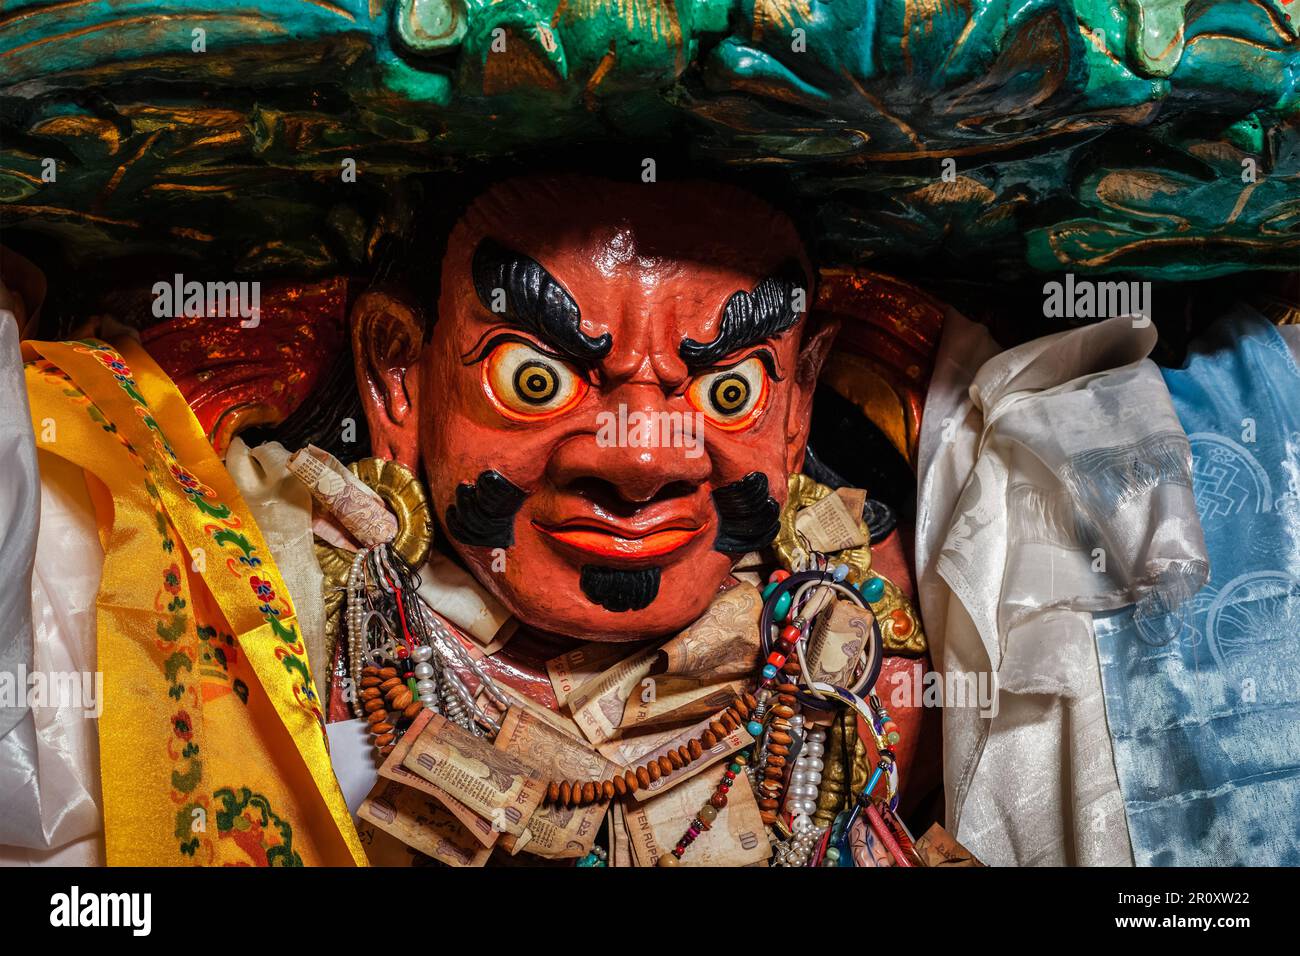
[
  {"x": 1055, "y": 481},
  {"x": 48, "y": 767}
]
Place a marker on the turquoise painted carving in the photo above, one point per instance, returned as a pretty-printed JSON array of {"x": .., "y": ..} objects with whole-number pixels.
[{"x": 1157, "y": 137}]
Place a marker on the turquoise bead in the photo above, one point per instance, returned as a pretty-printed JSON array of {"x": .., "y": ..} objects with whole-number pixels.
[
  {"x": 769, "y": 588},
  {"x": 782, "y": 606},
  {"x": 873, "y": 590},
  {"x": 769, "y": 670},
  {"x": 754, "y": 728}
]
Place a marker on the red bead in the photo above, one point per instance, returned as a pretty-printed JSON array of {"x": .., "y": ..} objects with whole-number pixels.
[
  {"x": 790, "y": 634},
  {"x": 776, "y": 659},
  {"x": 402, "y": 652},
  {"x": 730, "y": 776},
  {"x": 780, "y": 574}
]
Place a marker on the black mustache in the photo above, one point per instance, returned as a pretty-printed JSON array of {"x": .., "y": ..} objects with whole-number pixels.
[
  {"x": 748, "y": 517},
  {"x": 617, "y": 589},
  {"x": 484, "y": 513},
  {"x": 485, "y": 510}
]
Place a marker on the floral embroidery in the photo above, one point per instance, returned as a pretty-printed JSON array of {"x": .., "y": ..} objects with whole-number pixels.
[
  {"x": 248, "y": 820},
  {"x": 185, "y": 479},
  {"x": 182, "y": 643},
  {"x": 263, "y": 591},
  {"x": 182, "y": 727},
  {"x": 172, "y": 580},
  {"x": 218, "y": 652},
  {"x": 58, "y": 377}
]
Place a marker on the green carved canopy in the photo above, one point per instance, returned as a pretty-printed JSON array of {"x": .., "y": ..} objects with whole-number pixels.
[{"x": 1154, "y": 137}]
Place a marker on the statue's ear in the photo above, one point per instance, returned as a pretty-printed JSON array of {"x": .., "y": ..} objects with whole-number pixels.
[
  {"x": 799, "y": 420},
  {"x": 387, "y": 339}
]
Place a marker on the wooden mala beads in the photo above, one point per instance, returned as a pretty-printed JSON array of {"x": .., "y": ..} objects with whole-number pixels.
[
  {"x": 386, "y": 699},
  {"x": 572, "y": 793},
  {"x": 771, "y": 785}
]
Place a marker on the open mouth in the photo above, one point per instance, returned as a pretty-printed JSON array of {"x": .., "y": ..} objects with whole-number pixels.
[{"x": 610, "y": 541}]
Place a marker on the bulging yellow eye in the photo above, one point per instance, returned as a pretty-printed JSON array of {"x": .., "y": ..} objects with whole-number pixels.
[
  {"x": 528, "y": 385},
  {"x": 732, "y": 398}
]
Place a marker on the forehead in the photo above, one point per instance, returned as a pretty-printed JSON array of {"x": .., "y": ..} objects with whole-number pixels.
[{"x": 672, "y": 253}]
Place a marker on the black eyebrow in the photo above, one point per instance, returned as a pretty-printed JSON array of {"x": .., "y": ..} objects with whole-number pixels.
[
  {"x": 749, "y": 318},
  {"x": 534, "y": 302}
]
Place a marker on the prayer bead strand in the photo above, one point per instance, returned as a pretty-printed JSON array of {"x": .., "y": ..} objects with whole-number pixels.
[
  {"x": 573, "y": 793},
  {"x": 402, "y": 658},
  {"x": 356, "y": 625},
  {"x": 708, "y": 813}
]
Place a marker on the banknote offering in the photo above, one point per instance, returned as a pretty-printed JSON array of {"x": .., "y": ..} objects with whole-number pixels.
[
  {"x": 572, "y": 671},
  {"x": 936, "y": 847},
  {"x": 620, "y": 843},
  {"x": 723, "y": 643},
  {"x": 384, "y": 849},
  {"x": 855, "y": 499},
  {"x": 672, "y": 700},
  {"x": 393, "y": 769},
  {"x": 561, "y": 722},
  {"x": 828, "y": 525},
  {"x": 474, "y": 610},
  {"x": 345, "y": 496},
  {"x": 422, "y": 823},
  {"x": 719, "y": 652},
  {"x": 836, "y": 642},
  {"x": 694, "y": 674},
  {"x": 598, "y": 706},
  {"x": 636, "y": 751},
  {"x": 737, "y": 837},
  {"x": 555, "y": 832},
  {"x": 492, "y": 783}
]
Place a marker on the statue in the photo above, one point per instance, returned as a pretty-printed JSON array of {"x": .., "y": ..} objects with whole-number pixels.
[
  {"x": 605, "y": 415},
  {"x": 610, "y": 404},
  {"x": 615, "y": 390}
]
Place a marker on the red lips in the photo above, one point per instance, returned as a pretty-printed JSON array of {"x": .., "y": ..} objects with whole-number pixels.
[{"x": 608, "y": 540}]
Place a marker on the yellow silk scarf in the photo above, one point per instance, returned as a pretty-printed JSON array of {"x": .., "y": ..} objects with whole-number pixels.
[{"x": 212, "y": 742}]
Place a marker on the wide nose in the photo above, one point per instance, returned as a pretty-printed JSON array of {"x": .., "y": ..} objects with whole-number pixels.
[{"x": 646, "y": 448}]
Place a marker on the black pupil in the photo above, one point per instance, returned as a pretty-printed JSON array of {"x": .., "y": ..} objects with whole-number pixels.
[
  {"x": 730, "y": 393},
  {"x": 535, "y": 383}
]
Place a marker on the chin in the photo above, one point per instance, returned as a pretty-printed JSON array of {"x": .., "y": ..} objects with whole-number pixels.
[
  {"x": 548, "y": 596},
  {"x": 584, "y": 621}
]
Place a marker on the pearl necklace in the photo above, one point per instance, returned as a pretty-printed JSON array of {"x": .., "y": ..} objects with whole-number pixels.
[
  {"x": 801, "y": 799},
  {"x": 400, "y": 651}
]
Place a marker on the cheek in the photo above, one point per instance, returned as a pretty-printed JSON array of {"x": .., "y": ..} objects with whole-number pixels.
[
  {"x": 462, "y": 437},
  {"x": 735, "y": 454}
]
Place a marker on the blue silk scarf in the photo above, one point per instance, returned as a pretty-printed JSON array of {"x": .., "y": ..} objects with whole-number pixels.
[{"x": 1204, "y": 705}]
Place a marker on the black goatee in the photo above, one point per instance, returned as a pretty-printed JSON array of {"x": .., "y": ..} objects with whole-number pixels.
[{"x": 617, "y": 589}]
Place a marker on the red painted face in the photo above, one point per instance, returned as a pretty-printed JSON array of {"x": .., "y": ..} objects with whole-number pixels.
[{"x": 615, "y": 390}]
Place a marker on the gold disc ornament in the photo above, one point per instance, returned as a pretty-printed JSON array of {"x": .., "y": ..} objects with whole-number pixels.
[
  {"x": 900, "y": 627},
  {"x": 406, "y": 498}
]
